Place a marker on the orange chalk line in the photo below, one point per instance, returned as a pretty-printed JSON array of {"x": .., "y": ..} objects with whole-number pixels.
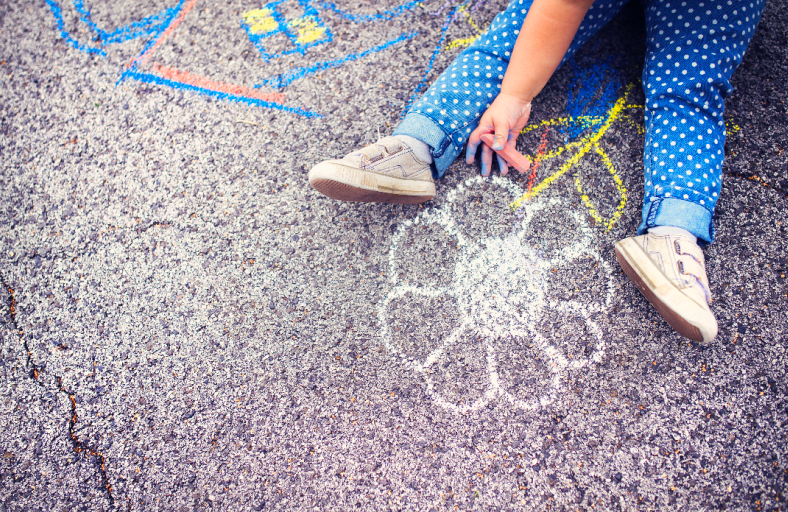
[
  {"x": 142, "y": 59},
  {"x": 199, "y": 81},
  {"x": 538, "y": 159}
]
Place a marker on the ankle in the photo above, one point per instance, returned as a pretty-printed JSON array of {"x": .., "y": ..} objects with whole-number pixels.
[
  {"x": 672, "y": 230},
  {"x": 420, "y": 149}
]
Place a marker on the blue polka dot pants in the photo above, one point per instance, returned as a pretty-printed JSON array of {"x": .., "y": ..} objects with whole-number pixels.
[{"x": 693, "y": 49}]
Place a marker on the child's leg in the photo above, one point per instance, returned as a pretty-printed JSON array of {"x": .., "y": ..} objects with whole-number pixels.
[
  {"x": 450, "y": 109},
  {"x": 692, "y": 53},
  {"x": 397, "y": 169}
]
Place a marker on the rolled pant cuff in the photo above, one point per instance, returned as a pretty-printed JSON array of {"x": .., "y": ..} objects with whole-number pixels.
[
  {"x": 429, "y": 132},
  {"x": 668, "y": 211}
]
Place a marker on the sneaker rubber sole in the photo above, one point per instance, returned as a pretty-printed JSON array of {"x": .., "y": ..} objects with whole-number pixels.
[
  {"x": 686, "y": 316},
  {"x": 350, "y": 184}
]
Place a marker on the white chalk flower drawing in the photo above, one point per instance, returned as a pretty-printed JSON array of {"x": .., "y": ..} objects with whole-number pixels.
[{"x": 500, "y": 287}]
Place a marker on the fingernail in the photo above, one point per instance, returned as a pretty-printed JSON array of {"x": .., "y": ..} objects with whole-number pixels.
[{"x": 498, "y": 147}]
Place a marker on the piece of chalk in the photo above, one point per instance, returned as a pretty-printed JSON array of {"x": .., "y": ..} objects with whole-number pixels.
[{"x": 511, "y": 155}]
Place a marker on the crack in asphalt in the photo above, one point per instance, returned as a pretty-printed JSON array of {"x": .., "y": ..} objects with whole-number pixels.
[
  {"x": 81, "y": 446},
  {"x": 35, "y": 371}
]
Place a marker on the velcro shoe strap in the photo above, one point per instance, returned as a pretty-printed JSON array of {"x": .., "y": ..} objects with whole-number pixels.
[
  {"x": 685, "y": 247},
  {"x": 690, "y": 266},
  {"x": 693, "y": 275}
]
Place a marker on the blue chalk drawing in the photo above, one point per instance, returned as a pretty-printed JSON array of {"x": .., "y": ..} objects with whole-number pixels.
[
  {"x": 152, "y": 41},
  {"x": 57, "y": 12},
  {"x": 365, "y": 18},
  {"x": 303, "y": 32},
  {"x": 149, "y": 26},
  {"x": 423, "y": 81},
  {"x": 592, "y": 92},
  {"x": 285, "y": 79},
  {"x": 267, "y": 27},
  {"x": 146, "y": 27},
  {"x": 150, "y": 78},
  {"x": 307, "y": 31}
]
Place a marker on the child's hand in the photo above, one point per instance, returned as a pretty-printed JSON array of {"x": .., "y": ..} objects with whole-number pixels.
[{"x": 505, "y": 118}]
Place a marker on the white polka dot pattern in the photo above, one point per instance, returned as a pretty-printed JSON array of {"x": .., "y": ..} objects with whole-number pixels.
[
  {"x": 693, "y": 47},
  {"x": 474, "y": 78}
]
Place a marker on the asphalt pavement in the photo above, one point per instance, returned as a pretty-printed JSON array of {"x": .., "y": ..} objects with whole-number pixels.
[{"x": 186, "y": 325}]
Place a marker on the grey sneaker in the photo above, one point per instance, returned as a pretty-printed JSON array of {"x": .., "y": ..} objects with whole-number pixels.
[
  {"x": 670, "y": 272},
  {"x": 384, "y": 172}
]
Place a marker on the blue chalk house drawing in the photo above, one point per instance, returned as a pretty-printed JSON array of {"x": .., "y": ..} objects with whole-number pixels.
[
  {"x": 305, "y": 31},
  {"x": 276, "y": 29}
]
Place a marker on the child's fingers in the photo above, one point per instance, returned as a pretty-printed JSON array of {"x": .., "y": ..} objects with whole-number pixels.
[
  {"x": 470, "y": 151},
  {"x": 475, "y": 139},
  {"x": 501, "y": 136},
  {"x": 487, "y": 154},
  {"x": 502, "y": 165},
  {"x": 512, "y": 142},
  {"x": 510, "y": 155}
]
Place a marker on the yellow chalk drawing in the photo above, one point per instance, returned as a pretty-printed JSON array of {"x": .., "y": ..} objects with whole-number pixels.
[
  {"x": 260, "y": 21},
  {"x": 309, "y": 30},
  {"x": 468, "y": 17},
  {"x": 622, "y": 191},
  {"x": 466, "y": 41},
  {"x": 462, "y": 43},
  {"x": 582, "y": 148},
  {"x": 585, "y": 121}
]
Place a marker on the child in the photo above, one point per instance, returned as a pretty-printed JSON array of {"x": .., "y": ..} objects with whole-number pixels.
[{"x": 693, "y": 48}]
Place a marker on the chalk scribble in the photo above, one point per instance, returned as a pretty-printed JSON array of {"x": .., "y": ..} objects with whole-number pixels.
[{"x": 500, "y": 287}]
